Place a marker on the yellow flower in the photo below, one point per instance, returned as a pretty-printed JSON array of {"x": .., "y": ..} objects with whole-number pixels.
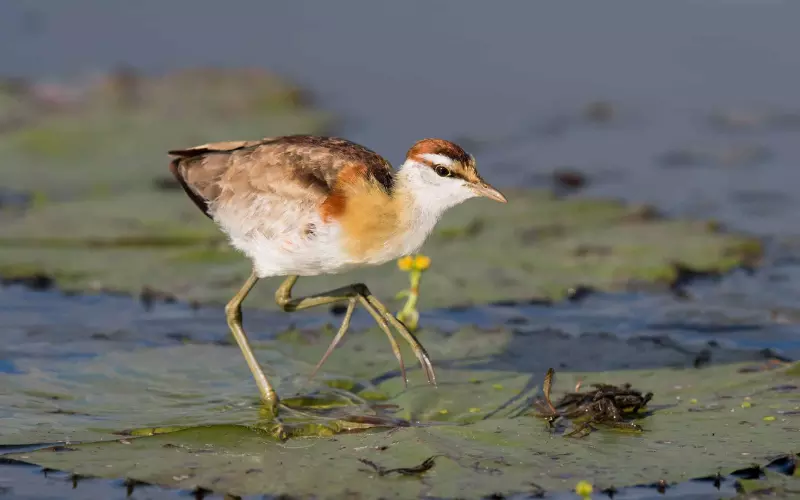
[
  {"x": 422, "y": 262},
  {"x": 405, "y": 263},
  {"x": 583, "y": 488},
  {"x": 414, "y": 263}
]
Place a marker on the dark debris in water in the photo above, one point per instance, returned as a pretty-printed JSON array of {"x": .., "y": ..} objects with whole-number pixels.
[
  {"x": 579, "y": 293},
  {"x": 605, "y": 404},
  {"x": 567, "y": 180},
  {"x": 416, "y": 470},
  {"x": 34, "y": 281},
  {"x": 149, "y": 296},
  {"x": 14, "y": 199}
]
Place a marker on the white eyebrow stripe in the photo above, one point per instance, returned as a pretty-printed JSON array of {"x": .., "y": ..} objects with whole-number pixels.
[{"x": 438, "y": 159}]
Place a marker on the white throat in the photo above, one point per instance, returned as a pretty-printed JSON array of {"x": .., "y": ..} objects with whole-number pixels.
[{"x": 425, "y": 197}]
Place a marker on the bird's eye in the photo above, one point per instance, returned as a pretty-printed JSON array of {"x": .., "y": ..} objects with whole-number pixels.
[{"x": 442, "y": 171}]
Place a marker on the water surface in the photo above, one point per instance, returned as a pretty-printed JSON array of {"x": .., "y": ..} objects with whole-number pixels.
[{"x": 513, "y": 82}]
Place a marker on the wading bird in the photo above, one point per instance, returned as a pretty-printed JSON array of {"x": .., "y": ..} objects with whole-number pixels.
[{"x": 306, "y": 206}]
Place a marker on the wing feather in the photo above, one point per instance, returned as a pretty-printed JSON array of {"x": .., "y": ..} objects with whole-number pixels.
[{"x": 301, "y": 168}]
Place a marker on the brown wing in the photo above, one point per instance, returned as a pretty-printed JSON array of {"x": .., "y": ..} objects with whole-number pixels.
[{"x": 293, "y": 167}]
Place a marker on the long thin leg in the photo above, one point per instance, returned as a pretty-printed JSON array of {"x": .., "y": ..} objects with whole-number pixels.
[
  {"x": 351, "y": 306},
  {"x": 283, "y": 296},
  {"x": 233, "y": 312}
]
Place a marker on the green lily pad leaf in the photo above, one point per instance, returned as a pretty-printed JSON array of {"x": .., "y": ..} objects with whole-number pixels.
[
  {"x": 186, "y": 416},
  {"x": 106, "y": 135},
  {"x": 168, "y": 245},
  {"x": 94, "y": 167}
]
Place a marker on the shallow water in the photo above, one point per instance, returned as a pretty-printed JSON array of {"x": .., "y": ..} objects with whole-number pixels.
[
  {"x": 76, "y": 326},
  {"x": 514, "y": 81}
]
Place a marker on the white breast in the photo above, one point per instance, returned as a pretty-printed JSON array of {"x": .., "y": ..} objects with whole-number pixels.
[{"x": 282, "y": 237}]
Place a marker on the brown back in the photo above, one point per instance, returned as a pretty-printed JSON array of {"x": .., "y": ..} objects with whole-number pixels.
[{"x": 298, "y": 167}]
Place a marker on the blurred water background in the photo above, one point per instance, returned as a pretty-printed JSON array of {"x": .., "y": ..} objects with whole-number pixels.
[{"x": 701, "y": 97}]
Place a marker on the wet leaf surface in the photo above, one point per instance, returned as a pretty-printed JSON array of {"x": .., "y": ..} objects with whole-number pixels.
[
  {"x": 185, "y": 415},
  {"x": 492, "y": 454},
  {"x": 30, "y": 481}
]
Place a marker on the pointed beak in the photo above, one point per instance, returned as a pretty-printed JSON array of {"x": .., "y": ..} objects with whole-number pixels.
[{"x": 485, "y": 190}]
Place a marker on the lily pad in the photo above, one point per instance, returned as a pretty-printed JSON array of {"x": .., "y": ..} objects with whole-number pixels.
[
  {"x": 210, "y": 432},
  {"x": 185, "y": 413},
  {"x": 91, "y": 158},
  {"x": 174, "y": 404},
  {"x": 536, "y": 246},
  {"x": 109, "y": 134}
]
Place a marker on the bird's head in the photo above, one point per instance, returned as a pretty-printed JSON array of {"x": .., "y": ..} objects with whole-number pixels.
[{"x": 442, "y": 173}]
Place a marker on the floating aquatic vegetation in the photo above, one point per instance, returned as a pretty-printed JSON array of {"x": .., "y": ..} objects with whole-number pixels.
[
  {"x": 606, "y": 404},
  {"x": 416, "y": 470}
]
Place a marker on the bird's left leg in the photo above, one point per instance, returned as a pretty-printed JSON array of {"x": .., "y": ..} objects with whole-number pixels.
[
  {"x": 352, "y": 293},
  {"x": 233, "y": 313}
]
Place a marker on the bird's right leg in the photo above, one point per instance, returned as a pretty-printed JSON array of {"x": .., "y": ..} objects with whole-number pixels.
[
  {"x": 352, "y": 293},
  {"x": 233, "y": 313}
]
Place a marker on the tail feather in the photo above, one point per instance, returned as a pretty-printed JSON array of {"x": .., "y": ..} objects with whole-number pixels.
[{"x": 202, "y": 203}]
